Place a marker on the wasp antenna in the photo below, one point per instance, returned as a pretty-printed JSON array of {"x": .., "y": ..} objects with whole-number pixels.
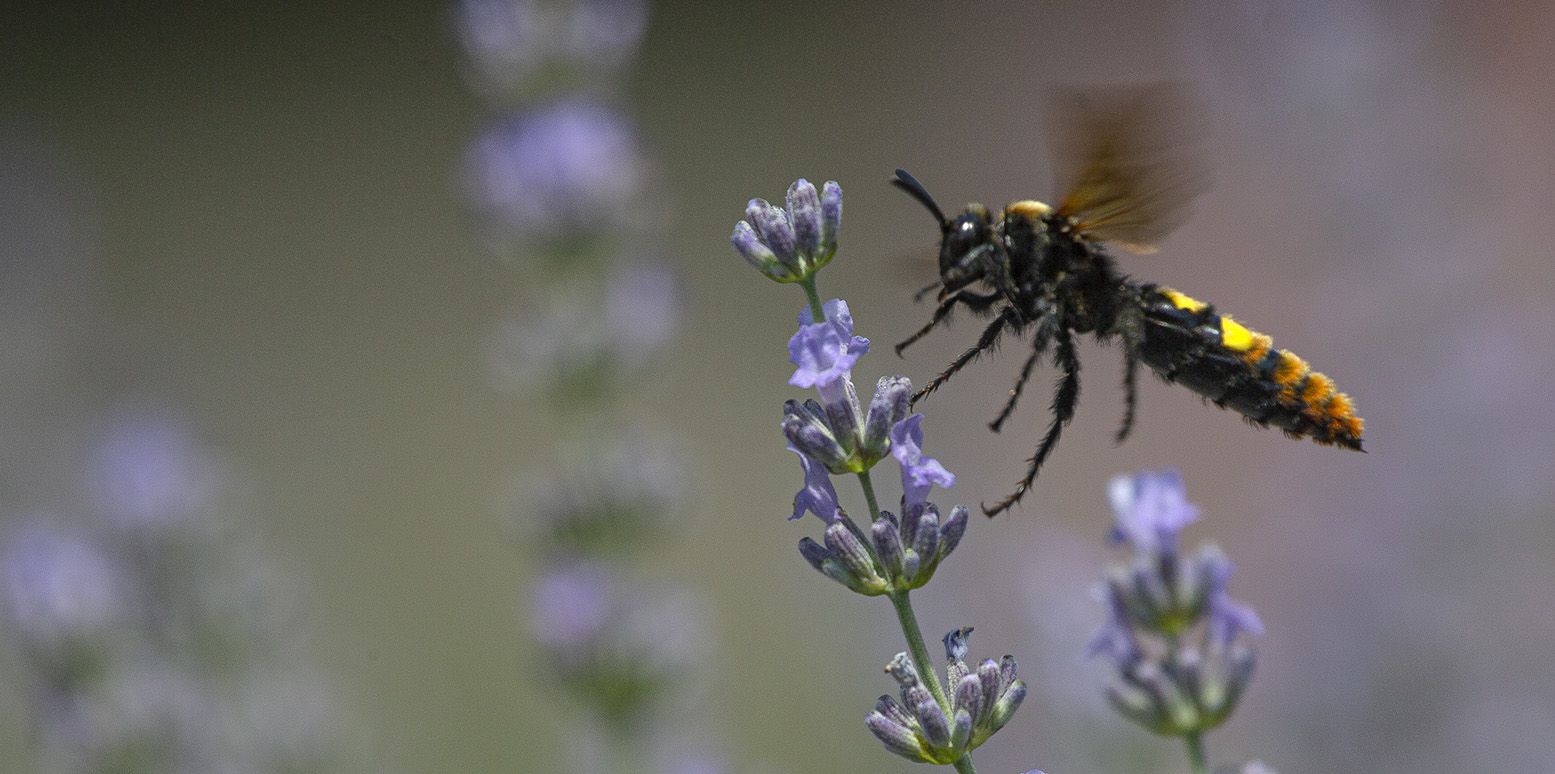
[{"x": 916, "y": 190}]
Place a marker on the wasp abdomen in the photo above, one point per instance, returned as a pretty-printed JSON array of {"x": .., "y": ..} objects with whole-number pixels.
[{"x": 1187, "y": 342}]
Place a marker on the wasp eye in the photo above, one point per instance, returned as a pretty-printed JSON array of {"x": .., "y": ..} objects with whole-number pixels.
[{"x": 965, "y": 234}]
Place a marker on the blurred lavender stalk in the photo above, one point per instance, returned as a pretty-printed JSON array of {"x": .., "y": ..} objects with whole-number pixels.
[
  {"x": 1177, "y": 642},
  {"x": 158, "y": 637},
  {"x": 560, "y": 180}
]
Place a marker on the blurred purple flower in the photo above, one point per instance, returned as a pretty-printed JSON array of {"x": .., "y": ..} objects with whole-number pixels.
[
  {"x": 61, "y": 591},
  {"x": 150, "y": 471},
  {"x": 1150, "y": 508},
  {"x": 510, "y": 43},
  {"x": 818, "y": 496},
  {"x": 1227, "y": 617},
  {"x": 564, "y": 341},
  {"x": 641, "y": 309},
  {"x": 920, "y": 473},
  {"x": 571, "y": 606},
  {"x": 824, "y": 352},
  {"x": 569, "y": 169}
]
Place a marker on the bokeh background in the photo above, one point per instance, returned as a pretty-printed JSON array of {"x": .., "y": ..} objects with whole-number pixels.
[{"x": 248, "y": 224}]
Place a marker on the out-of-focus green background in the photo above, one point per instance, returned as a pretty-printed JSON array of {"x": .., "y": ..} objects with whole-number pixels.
[{"x": 253, "y": 213}]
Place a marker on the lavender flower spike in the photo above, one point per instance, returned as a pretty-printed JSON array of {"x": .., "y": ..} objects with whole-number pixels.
[
  {"x": 920, "y": 473},
  {"x": 791, "y": 244}
]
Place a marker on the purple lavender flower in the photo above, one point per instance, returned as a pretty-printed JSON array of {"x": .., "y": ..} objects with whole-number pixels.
[
  {"x": 1172, "y": 631},
  {"x": 917, "y": 728},
  {"x": 792, "y": 243},
  {"x": 818, "y": 496},
  {"x": 558, "y": 172},
  {"x": 920, "y": 473},
  {"x": 824, "y": 352},
  {"x": 1150, "y": 508}
]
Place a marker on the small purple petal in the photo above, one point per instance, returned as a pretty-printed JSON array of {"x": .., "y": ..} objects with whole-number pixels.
[
  {"x": 818, "y": 496},
  {"x": 825, "y": 352},
  {"x": 920, "y": 473},
  {"x": 1150, "y": 508}
]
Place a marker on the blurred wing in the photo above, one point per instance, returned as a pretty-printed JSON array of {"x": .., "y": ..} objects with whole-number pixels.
[{"x": 1129, "y": 161}]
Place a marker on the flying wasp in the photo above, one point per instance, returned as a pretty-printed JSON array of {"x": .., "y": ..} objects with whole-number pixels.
[{"x": 1043, "y": 271}]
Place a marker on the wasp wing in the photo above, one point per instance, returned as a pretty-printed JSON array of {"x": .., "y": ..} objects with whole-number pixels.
[{"x": 1128, "y": 161}]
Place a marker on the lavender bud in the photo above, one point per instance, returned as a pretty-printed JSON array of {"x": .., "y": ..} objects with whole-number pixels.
[
  {"x": 969, "y": 695},
  {"x": 912, "y": 568},
  {"x": 888, "y": 544},
  {"x": 962, "y": 735},
  {"x": 813, "y": 552},
  {"x": 804, "y": 211},
  {"x": 847, "y": 548},
  {"x": 951, "y": 531},
  {"x": 773, "y": 229},
  {"x": 926, "y": 542},
  {"x": 936, "y": 727},
  {"x": 842, "y": 416},
  {"x": 756, "y": 253},
  {"x": 1005, "y": 707},
  {"x": 893, "y": 710},
  {"x": 831, "y": 220},
  {"x": 988, "y": 677},
  {"x": 812, "y": 438},
  {"x": 1007, "y": 670},
  {"x": 888, "y": 406},
  {"x": 834, "y": 568},
  {"x": 915, "y": 694},
  {"x": 896, "y": 737}
]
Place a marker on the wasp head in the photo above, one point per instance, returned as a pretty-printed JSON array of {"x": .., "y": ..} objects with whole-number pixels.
[
  {"x": 963, "y": 242},
  {"x": 967, "y": 241}
]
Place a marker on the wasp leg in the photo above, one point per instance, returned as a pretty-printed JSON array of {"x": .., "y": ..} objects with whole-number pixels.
[
  {"x": 1038, "y": 346},
  {"x": 974, "y": 301},
  {"x": 1064, "y": 399},
  {"x": 990, "y": 337},
  {"x": 1130, "y": 374},
  {"x": 925, "y": 291}
]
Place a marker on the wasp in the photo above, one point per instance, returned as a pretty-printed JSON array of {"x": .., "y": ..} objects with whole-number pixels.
[{"x": 1044, "y": 272}]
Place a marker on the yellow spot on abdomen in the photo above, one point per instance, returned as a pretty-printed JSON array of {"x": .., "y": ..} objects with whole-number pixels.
[
  {"x": 1234, "y": 336},
  {"x": 1183, "y": 302}
]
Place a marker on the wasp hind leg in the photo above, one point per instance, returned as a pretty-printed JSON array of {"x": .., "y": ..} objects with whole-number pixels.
[
  {"x": 990, "y": 337},
  {"x": 1065, "y": 397},
  {"x": 973, "y": 301},
  {"x": 1130, "y": 379},
  {"x": 1038, "y": 346}
]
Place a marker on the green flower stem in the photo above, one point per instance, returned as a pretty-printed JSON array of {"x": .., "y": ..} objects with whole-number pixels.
[
  {"x": 914, "y": 634},
  {"x": 869, "y": 496},
  {"x": 1196, "y": 757},
  {"x": 816, "y": 313}
]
